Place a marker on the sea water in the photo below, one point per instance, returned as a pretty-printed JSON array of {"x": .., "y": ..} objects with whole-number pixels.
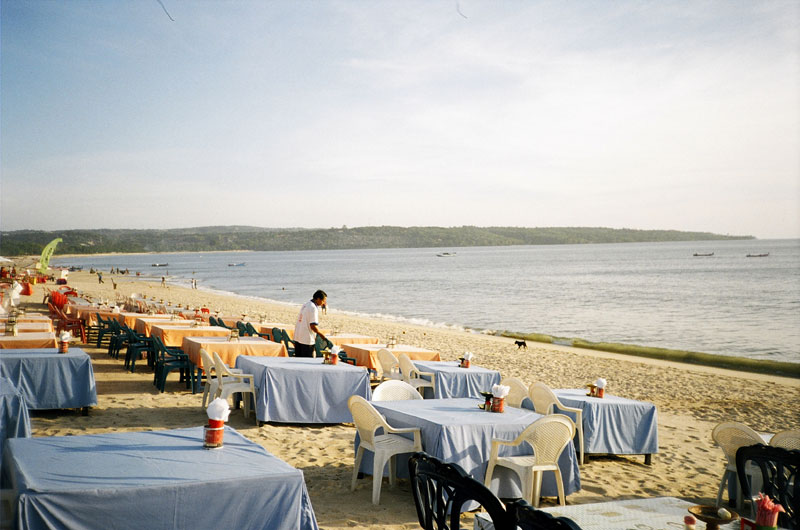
[{"x": 653, "y": 294}]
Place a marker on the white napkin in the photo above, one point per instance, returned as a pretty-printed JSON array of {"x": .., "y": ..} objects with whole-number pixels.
[
  {"x": 500, "y": 391},
  {"x": 600, "y": 383},
  {"x": 335, "y": 349},
  {"x": 65, "y": 336},
  {"x": 218, "y": 410},
  {"x": 467, "y": 356},
  {"x": 115, "y": 310}
]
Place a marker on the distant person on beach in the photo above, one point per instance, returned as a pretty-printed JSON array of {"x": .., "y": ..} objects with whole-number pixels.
[
  {"x": 306, "y": 330},
  {"x": 100, "y": 277},
  {"x": 163, "y": 282},
  {"x": 194, "y": 283}
]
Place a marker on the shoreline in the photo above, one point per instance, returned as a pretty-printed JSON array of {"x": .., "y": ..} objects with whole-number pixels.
[{"x": 690, "y": 401}]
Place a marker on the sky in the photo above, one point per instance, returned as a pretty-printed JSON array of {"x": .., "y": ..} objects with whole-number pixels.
[{"x": 645, "y": 114}]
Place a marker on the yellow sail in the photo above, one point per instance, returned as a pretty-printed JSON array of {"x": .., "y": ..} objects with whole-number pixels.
[{"x": 44, "y": 261}]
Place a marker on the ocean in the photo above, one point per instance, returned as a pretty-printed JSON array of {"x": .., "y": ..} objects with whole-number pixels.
[{"x": 651, "y": 294}]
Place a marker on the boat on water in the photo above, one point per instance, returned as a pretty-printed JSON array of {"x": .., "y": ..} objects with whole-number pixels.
[
  {"x": 236, "y": 264},
  {"x": 160, "y": 265},
  {"x": 758, "y": 255},
  {"x": 698, "y": 254},
  {"x": 446, "y": 255}
]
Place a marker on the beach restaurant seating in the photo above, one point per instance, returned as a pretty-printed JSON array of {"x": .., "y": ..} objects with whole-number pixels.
[
  {"x": 517, "y": 393},
  {"x": 390, "y": 366},
  {"x": 548, "y": 436},
  {"x": 385, "y": 446},
  {"x": 211, "y": 386},
  {"x": 545, "y": 401},
  {"x": 730, "y": 436},
  {"x": 394, "y": 390},
  {"x": 413, "y": 377},
  {"x": 168, "y": 360},
  {"x": 780, "y": 478},
  {"x": 230, "y": 382},
  {"x": 786, "y": 439},
  {"x": 253, "y": 332}
]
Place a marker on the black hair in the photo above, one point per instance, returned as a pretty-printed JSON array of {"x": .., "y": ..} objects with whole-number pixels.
[{"x": 319, "y": 295}]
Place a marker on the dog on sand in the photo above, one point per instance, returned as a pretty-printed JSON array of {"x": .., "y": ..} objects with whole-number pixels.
[{"x": 521, "y": 344}]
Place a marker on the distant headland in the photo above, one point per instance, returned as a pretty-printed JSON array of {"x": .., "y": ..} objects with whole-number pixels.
[{"x": 226, "y": 238}]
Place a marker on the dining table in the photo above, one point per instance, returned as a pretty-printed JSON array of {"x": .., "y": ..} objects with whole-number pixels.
[
  {"x": 458, "y": 431},
  {"x": 51, "y": 380},
  {"x": 266, "y": 328},
  {"x": 15, "y": 421},
  {"x": 173, "y": 335},
  {"x": 39, "y": 339},
  {"x": 351, "y": 338},
  {"x": 27, "y": 317},
  {"x": 144, "y": 324},
  {"x": 158, "y": 480},
  {"x": 653, "y": 513},
  {"x": 614, "y": 425},
  {"x": 304, "y": 389},
  {"x": 367, "y": 354},
  {"x": 453, "y": 381},
  {"x": 34, "y": 327}
]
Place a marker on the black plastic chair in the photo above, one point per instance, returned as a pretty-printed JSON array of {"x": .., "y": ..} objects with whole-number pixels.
[
  {"x": 137, "y": 344},
  {"x": 780, "y": 480},
  {"x": 212, "y": 321},
  {"x": 527, "y": 517},
  {"x": 345, "y": 359},
  {"x": 284, "y": 338},
  {"x": 253, "y": 332},
  {"x": 440, "y": 491},
  {"x": 321, "y": 346},
  {"x": 242, "y": 329},
  {"x": 168, "y": 360},
  {"x": 119, "y": 339},
  {"x": 222, "y": 324},
  {"x": 104, "y": 328}
]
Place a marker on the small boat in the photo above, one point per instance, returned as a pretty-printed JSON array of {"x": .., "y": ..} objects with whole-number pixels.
[
  {"x": 446, "y": 255},
  {"x": 758, "y": 255},
  {"x": 697, "y": 254},
  {"x": 236, "y": 264},
  {"x": 160, "y": 265}
]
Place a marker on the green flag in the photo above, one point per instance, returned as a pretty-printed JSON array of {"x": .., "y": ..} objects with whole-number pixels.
[{"x": 44, "y": 261}]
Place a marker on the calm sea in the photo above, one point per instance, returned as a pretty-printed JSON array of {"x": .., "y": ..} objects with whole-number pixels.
[{"x": 655, "y": 294}]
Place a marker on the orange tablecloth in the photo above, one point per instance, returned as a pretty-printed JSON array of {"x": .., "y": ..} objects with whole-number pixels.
[
  {"x": 173, "y": 335},
  {"x": 367, "y": 354},
  {"x": 28, "y": 317},
  {"x": 89, "y": 314},
  {"x": 266, "y": 327},
  {"x": 351, "y": 338},
  {"x": 229, "y": 351},
  {"x": 145, "y": 324},
  {"x": 28, "y": 340}
]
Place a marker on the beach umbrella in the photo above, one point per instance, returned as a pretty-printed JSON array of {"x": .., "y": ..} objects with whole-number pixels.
[{"x": 2, "y": 259}]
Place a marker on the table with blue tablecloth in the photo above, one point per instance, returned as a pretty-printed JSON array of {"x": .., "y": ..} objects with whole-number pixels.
[
  {"x": 613, "y": 424},
  {"x": 452, "y": 381},
  {"x": 154, "y": 480},
  {"x": 457, "y": 431},
  {"x": 304, "y": 390},
  {"x": 51, "y": 380},
  {"x": 14, "y": 419}
]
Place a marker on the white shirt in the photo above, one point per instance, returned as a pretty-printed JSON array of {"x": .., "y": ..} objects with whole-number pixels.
[{"x": 309, "y": 314}]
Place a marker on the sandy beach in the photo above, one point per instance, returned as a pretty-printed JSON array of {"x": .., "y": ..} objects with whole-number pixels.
[{"x": 690, "y": 401}]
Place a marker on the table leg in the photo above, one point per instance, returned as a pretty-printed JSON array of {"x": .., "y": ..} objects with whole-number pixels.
[
  {"x": 84, "y": 411},
  {"x": 648, "y": 459}
]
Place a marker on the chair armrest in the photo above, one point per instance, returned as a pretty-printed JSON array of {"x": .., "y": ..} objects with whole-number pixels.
[
  {"x": 569, "y": 409},
  {"x": 413, "y": 430}
]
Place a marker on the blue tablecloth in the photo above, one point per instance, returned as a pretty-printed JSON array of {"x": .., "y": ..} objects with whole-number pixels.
[
  {"x": 303, "y": 390},
  {"x": 455, "y": 382},
  {"x": 154, "y": 480},
  {"x": 51, "y": 380},
  {"x": 614, "y": 425},
  {"x": 457, "y": 431},
  {"x": 14, "y": 419}
]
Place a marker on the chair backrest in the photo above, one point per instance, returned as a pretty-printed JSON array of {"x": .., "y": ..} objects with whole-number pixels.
[
  {"x": 208, "y": 363},
  {"x": 277, "y": 335},
  {"x": 221, "y": 368},
  {"x": 529, "y": 518},
  {"x": 548, "y": 436},
  {"x": 780, "y": 479},
  {"x": 407, "y": 367},
  {"x": 212, "y": 321},
  {"x": 394, "y": 391},
  {"x": 366, "y": 418},
  {"x": 440, "y": 491},
  {"x": 222, "y": 324},
  {"x": 518, "y": 392},
  {"x": 321, "y": 345},
  {"x": 242, "y": 329},
  {"x": 786, "y": 439},
  {"x": 388, "y": 361},
  {"x": 543, "y": 398},
  {"x": 253, "y": 332},
  {"x": 731, "y": 435}
]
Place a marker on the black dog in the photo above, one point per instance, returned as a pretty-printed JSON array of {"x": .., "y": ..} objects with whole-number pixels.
[{"x": 521, "y": 344}]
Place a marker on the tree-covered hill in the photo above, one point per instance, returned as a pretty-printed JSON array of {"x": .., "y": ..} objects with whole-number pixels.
[{"x": 216, "y": 238}]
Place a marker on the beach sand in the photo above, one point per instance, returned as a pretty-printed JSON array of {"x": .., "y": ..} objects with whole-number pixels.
[{"x": 691, "y": 400}]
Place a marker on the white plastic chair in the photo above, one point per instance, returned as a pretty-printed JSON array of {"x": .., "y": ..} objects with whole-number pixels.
[
  {"x": 518, "y": 392},
  {"x": 544, "y": 401},
  {"x": 730, "y": 436},
  {"x": 548, "y": 436},
  {"x": 385, "y": 446},
  {"x": 413, "y": 377},
  {"x": 229, "y": 383},
  {"x": 210, "y": 388},
  {"x": 390, "y": 366},
  {"x": 395, "y": 391},
  {"x": 786, "y": 439}
]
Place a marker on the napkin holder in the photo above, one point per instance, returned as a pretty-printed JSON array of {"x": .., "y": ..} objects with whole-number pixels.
[
  {"x": 487, "y": 404},
  {"x": 498, "y": 404},
  {"x": 213, "y": 434},
  {"x": 234, "y": 337},
  {"x": 464, "y": 362},
  {"x": 595, "y": 391},
  {"x": 330, "y": 358}
]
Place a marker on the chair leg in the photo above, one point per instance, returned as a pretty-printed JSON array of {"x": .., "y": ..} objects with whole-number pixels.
[
  {"x": 377, "y": 477},
  {"x": 537, "y": 488},
  {"x": 722, "y": 484},
  {"x": 356, "y": 467},
  {"x": 392, "y": 469},
  {"x": 487, "y": 480},
  {"x": 562, "y": 499}
]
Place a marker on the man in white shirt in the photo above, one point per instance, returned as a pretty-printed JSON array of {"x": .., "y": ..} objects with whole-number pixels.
[{"x": 306, "y": 330}]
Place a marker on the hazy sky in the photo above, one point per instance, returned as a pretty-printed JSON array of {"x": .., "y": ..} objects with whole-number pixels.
[{"x": 648, "y": 114}]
